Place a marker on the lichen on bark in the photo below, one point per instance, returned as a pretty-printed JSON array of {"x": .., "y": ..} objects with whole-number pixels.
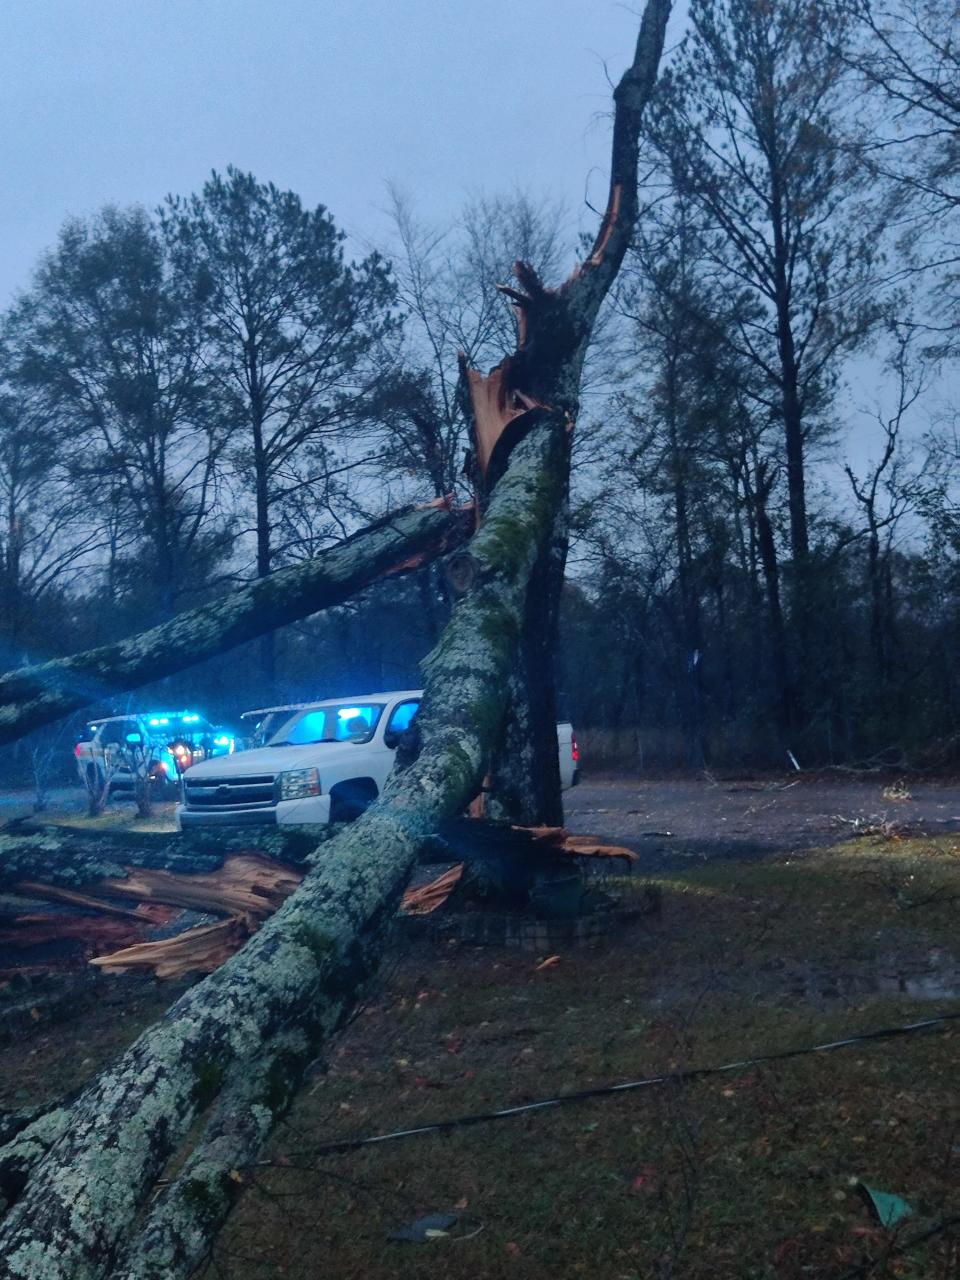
[{"x": 302, "y": 969}]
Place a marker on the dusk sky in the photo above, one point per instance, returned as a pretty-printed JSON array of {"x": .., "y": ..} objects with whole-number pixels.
[{"x": 123, "y": 101}]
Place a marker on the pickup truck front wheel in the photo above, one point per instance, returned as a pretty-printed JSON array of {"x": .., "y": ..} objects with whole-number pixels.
[{"x": 349, "y": 799}]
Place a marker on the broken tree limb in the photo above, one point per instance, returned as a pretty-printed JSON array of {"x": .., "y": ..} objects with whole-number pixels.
[
  {"x": 35, "y": 696},
  {"x": 243, "y": 1036},
  {"x": 199, "y": 950},
  {"x": 246, "y": 884},
  {"x": 70, "y": 859},
  {"x": 246, "y": 887},
  {"x": 263, "y": 1015},
  {"x": 591, "y": 281},
  {"x": 554, "y": 328}
]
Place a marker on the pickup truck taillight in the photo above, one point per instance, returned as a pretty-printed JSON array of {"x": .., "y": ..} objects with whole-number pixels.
[
  {"x": 78, "y": 750},
  {"x": 574, "y": 749}
]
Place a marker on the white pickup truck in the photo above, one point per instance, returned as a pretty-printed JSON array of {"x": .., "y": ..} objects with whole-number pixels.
[{"x": 325, "y": 763}]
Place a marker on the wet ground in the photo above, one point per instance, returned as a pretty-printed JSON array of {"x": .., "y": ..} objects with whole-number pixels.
[
  {"x": 673, "y": 822},
  {"x": 765, "y": 940}
]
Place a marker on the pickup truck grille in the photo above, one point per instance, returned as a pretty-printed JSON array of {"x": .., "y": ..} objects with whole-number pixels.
[{"x": 224, "y": 795}]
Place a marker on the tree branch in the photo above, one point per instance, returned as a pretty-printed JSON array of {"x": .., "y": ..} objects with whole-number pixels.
[{"x": 34, "y": 696}]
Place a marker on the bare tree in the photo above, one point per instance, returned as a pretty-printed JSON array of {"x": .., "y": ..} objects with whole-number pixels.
[
  {"x": 888, "y": 490},
  {"x": 747, "y": 126},
  {"x": 47, "y": 530},
  {"x": 111, "y": 342},
  {"x": 290, "y": 330},
  {"x": 905, "y": 55},
  {"x": 447, "y": 280}
]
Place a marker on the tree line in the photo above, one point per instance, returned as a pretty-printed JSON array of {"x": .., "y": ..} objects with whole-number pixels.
[{"x": 200, "y": 395}]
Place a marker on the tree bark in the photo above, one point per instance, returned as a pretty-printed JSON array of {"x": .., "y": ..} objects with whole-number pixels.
[
  {"x": 70, "y": 860},
  {"x": 34, "y": 696},
  {"x": 785, "y": 702},
  {"x": 241, "y": 1039},
  {"x": 525, "y": 773},
  {"x": 244, "y": 1035},
  {"x": 554, "y": 329}
]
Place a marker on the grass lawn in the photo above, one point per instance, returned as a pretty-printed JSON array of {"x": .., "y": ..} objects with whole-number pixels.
[
  {"x": 745, "y": 1175},
  {"x": 749, "y": 1174}
]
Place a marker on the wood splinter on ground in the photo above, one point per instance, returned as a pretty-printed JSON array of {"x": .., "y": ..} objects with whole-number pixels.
[
  {"x": 427, "y": 898},
  {"x": 246, "y": 889}
]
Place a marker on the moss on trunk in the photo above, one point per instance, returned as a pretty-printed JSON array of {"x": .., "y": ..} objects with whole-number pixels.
[{"x": 262, "y": 1016}]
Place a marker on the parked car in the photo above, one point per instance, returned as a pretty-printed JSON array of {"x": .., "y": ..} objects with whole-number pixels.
[
  {"x": 326, "y": 762},
  {"x": 162, "y": 743}
]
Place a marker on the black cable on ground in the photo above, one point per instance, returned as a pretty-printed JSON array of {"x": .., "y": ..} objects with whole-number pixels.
[
  {"x": 940, "y": 1228},
  {"x": 606, "y": 1091}
]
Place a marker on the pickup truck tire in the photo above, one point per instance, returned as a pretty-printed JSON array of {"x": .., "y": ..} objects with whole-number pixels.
[{"x": 349, "y": 799}]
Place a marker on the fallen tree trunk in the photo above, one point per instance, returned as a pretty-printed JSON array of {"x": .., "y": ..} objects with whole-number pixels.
[
  {"x": 244, "y": 1035},
  {"x": 34, "y": 696},
  {"x": 81, "y": 860},
  {"x": 242, "y": 1038}
]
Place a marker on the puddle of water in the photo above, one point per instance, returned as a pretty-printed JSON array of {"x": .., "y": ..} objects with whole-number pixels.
[
  {"x": 935, "y": 977},
  {"x": 940, "y": 982}
]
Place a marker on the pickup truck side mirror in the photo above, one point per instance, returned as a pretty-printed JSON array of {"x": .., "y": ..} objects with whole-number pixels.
[
  {"x": 391, "y": 739},
  {"x": 135, "y": 739}
]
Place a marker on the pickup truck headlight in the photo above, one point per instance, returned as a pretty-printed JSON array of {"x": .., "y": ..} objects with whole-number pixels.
[{"x": 297, "y": 783}]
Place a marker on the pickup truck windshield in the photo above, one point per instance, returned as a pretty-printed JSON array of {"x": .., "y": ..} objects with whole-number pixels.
[{"x": 349, "y": 722}]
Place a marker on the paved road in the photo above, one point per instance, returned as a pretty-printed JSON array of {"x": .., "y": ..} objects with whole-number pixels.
[{"x": 676, "y": 821}]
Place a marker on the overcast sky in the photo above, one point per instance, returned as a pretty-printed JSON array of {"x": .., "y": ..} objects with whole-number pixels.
[{"x": 123, "y": 101}]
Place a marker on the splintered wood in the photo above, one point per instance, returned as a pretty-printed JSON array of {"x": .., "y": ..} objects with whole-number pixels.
[
  {"x": 429, "y": 897},
  {"x": 108, "y": 922},
  {"x": 199, "y": 950},
  {"x": 495, "y": 405},
  {"x": 560, "y": 840}
]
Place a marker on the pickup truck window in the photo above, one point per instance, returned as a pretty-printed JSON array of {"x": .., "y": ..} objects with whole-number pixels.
[
  {"x": 114, "y": 733},
  {"x": 402, "y": 716},
  {"x": 351, "y": 722}
]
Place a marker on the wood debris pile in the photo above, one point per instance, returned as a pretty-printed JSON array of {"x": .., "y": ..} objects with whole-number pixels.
[
  {"x": 171, "y": 923},
  {"x": 145, "y": 920}
]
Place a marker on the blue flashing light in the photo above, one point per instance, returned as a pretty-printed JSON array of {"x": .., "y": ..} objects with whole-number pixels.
[
  {"x": 222, "y": 741},
  {"x": 155, "y": 721},
  {"x": 350, "y": 713},
  {"x": 191, "y": 719}
]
